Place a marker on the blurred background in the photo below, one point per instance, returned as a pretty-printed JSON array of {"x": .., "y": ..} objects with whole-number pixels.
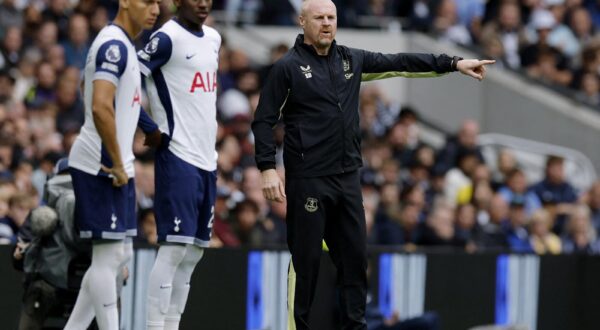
[{"x": 469, "y": 188}]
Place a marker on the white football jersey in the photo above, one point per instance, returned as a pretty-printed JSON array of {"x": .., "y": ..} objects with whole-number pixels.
[
  {"x": 111, "y": 57},
  {"x": 181, "y": 82}
]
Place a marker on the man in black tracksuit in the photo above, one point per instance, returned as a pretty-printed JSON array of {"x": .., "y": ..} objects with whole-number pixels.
[{"x": 315, "y": 89}]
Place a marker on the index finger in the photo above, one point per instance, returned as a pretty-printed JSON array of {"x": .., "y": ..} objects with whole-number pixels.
[{"x": 486, "y": 62}]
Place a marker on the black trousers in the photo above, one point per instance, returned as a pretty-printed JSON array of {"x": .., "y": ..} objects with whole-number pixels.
[{"x": 328, "y": 208}]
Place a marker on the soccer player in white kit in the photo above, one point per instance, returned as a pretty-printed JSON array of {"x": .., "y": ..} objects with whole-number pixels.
[
  {"x": 101, "y": 160},
  {"x": 180, "y": 65}
]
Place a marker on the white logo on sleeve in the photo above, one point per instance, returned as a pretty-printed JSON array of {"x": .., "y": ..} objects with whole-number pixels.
[
  {"x": 113, "y": 54},
  {"x": 110, "y": 67},
  {"x": 312, "y": 204},
  {"x": 152, "y": 46},
  {"x": 177, "y": 221},
  {"x": 143, "y": 55},
  {"x": 113, "y": 218},
  {"x": 307, "y": 71}
]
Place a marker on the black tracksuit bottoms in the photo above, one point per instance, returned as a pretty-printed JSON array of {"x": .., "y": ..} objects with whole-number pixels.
[{"x": 330, "y": 208}]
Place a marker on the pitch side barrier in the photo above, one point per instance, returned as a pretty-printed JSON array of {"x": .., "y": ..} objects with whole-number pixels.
[{"x": 246, "y": 289}]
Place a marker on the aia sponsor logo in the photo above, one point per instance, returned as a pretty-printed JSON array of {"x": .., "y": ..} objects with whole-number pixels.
[
  {"x": 206, "y": 82},
  {"x": 136, "y": 98}
]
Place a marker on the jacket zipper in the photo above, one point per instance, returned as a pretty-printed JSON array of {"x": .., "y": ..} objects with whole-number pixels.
[{"x": 332, "y": 78}]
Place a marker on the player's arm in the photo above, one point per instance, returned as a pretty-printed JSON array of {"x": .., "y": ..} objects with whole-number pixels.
[
  {"x": 103, "y": 113},
  {"x": 152, "y": 57},
  {"x": 273, "y": 98},
  {"x": 111, "y": 61},
  {"x": 150, "y": 129}
]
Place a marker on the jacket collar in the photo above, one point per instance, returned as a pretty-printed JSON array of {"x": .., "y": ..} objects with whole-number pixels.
[{"x": 300, "y": 44}]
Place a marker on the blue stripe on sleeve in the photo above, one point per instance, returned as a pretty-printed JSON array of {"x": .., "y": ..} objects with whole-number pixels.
[
  {"x": 111, "y": 61},
  {"x": 155, "y": 54}
]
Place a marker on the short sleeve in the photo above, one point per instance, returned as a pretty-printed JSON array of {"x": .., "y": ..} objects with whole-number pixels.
[
  {"x": 155, "y": 54},
  {"x": 111, "y": 61}
]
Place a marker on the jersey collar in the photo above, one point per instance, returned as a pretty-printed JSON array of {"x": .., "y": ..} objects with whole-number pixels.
[
  {"x": 198, "y": 34},
  {"x": 122, "y": 30}
]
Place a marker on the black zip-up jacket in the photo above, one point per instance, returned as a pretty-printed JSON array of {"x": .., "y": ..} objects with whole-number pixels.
[{"x": 317, "y": 97}]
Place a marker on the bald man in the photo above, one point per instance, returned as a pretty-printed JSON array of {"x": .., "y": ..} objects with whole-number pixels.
[{"x": 315, "y": 88}]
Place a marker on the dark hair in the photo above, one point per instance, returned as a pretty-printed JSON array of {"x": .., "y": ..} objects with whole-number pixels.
[
  {"x": 513, "y": 172},
  {"x": 246, "y": 203},
  {"x": 553, "y": 159}
]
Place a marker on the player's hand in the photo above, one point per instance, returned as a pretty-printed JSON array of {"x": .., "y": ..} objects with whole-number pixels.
[
  {"x": 153, "y": 139},
  {"x": 474, "y": 68},
  {"x": 118, "y": 173},
  {"x": 272, "y": 186}
]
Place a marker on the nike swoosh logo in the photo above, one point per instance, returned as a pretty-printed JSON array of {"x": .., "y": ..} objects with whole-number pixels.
[
  {"x": 165, "y": 286},
  {"x": 111, "y": 304},
  {"x": 187, "y": 57}
]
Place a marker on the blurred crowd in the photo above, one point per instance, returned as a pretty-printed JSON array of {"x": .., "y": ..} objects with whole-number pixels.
[
  {"x": 414, "y": 195},
  {"x": 551, "y": 41}
]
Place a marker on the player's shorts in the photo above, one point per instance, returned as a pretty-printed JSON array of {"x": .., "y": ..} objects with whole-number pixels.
[
  {"x": 184, "y": 200},
  {"x": 103, "y": 211}
]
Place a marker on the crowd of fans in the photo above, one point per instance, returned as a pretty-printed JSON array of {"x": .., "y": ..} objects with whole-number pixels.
[
  {"x": 414, "y": 195},
  {"x": 551, "y": 41}
]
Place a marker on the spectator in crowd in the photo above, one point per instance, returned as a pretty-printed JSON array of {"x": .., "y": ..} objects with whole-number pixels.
[
  {"x": 10, "y": 16},
  {"x": 561, "y": 37},
  {"x": 505, "y": 164},
  {"x": 542, "y": 60},
  {"x": 459, "y": 183},
  {"x": 493, "y": 48},
  {"x": 402, "y": 229},
  {"x": 447, "y": 26},
  {"x": 590, "y": 61},
  {"x": 247, "y": 225},
  {"x": 516, "y": 187},
  {"x": 44, "y": 90},
  {"x": 10, "y": 49},
  {"x": 439, "y": 227},
  {"x": 222, "y": 228},
  {"x": 543, "y": 241},
  {"x": 555, "y": 191},
  {"x": 466, "y": 224},
  {"x": 492, "y": 235},
  {"x": 466, "y": 139},
  {"x": 516, "y": 228},
  {"x": 508, "y": 28},
  {"x": 580, "y": 23},
  {"x": 58, "y": 11},
  {"x": 7, "y": 82},
  {"x": 581, "y": 236},
  {"x": 70, "y": 114},
  {"x": 46, "y": 36},
  {"x": 19, "y": 206},
  {"x": 470, "y": 14},
  {"x": 77, "y": 45},
  {"x": 388, "y": 221},
  {"x": 589, "y": 89}
]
